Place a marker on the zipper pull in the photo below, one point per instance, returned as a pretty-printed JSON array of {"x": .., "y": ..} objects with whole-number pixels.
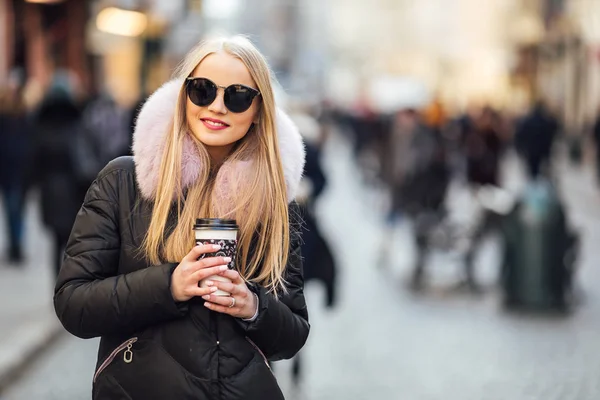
[{"x": 128, "y": 354}]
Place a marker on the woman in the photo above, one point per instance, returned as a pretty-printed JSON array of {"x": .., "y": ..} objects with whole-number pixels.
[{"x": 131, "y": 273}]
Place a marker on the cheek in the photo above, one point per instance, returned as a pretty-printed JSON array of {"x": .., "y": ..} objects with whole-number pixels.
[
  {"x": 242, "y": 124},
  {"x": 190, "y": 112}
]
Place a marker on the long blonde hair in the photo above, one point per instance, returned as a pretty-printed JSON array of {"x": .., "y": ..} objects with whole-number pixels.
[{"x": 259, "y": 205}]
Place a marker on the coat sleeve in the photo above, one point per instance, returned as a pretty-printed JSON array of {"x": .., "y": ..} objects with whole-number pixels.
[
  {"x": 281, "y": 327},
  {"x": 91, "y": 298}
]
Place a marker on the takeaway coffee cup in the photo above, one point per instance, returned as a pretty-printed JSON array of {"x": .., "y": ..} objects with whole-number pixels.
[{"x": 222, "y": 232}]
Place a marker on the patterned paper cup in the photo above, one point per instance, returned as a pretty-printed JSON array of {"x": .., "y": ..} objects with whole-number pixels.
[{"x": 222, "y": 232}]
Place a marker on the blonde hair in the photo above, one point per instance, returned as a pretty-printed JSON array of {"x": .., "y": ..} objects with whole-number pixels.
[{"x": 263, "y": 218}]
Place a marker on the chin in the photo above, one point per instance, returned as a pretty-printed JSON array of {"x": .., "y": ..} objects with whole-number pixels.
[
  {"x": 214, "y": 139},
  {"x": 213, "y": 142}
]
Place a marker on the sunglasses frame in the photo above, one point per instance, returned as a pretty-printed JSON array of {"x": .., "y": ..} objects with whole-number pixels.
[{"x": 255, "y": 92}]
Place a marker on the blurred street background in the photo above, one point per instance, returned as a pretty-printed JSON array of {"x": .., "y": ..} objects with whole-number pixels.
[{"x": 451, "y": 191}]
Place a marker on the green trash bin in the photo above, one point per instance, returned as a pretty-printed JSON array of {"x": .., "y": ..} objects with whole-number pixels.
[{"x": 538, "y": 252}]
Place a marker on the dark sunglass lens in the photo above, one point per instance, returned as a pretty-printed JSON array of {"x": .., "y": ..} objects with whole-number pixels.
[
  {"x": 238, "y": 98},
  {"x": 201, "y": 92}
]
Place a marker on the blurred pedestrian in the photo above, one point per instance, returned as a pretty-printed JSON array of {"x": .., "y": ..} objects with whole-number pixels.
[
  {"x": 210, "y": 143},
  {"x": 482, "y": 147},
  {"x": 319, "y": 262},
  {"x": 534, "y": 138},
  {"x": 455, "y": 134},
  {"x": 106, "y": 124},
  {"x": 14, "y": 159},
  {"x": 59, "y": 160},
  {"x": 434, "y": 115},
  {"x": 419, "y": 181}
]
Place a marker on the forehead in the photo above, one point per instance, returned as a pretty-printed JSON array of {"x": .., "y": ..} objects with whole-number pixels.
[{"x": 224, "y": 70}]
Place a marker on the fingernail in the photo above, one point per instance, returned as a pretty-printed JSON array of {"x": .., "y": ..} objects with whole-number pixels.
[
  {"x": 206, "y": 297},
  {"x": 223, "y": 268},
  {"x": 216, "y": 247},
  {"x": 213, "y": 289},
  {"x": 227, "y": 259},
  {"x": 209, "y": 283}
]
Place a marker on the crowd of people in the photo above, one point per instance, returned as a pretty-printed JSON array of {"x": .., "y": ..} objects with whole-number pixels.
[
  {"x": 416, "y": 152},
  {"x": 55, "y": 146}
]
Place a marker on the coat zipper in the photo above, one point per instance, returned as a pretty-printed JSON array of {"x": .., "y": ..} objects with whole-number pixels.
[
  {"x": 214, "y": 328},
  {"x": 127, "y": 355},
  {"x": 260, "y": 352}
]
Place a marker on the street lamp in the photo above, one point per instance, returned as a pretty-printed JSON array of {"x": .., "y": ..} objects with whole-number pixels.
[{"x": 121, "y": 22}]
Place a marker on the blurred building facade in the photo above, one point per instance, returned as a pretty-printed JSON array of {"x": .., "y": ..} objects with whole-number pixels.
[
  {"x": 585, "y": 28},
  {"x": 39, "y": 37},
  {"x": 461, "y": 49},
  {"x": 129, "y": 47},
  {"x": 559, "y": 61},
  {"x": 504, "y": 52}
]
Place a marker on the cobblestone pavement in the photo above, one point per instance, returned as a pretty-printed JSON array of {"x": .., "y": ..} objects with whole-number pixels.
[{"x": 384, "y": 342}]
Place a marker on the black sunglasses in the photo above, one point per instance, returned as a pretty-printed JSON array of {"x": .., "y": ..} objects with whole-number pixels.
[{"x": 237, "y": 98}]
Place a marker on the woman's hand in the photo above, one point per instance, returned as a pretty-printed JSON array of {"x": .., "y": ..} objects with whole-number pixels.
[
  {"x": 184, "y": 282},
  {"x": 241, "y": 303}
]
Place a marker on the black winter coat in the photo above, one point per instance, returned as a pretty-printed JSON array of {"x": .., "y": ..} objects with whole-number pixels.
[{"x": 152, "y": 347}]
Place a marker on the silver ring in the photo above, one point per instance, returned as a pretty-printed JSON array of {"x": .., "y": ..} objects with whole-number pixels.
[{"x": 232, "y": 302}]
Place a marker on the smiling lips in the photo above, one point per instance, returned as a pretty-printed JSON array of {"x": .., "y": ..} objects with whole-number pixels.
[{"x": 214, "y": 124}]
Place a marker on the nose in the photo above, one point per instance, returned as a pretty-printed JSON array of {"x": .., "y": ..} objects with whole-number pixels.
[{"x": 218, "y": 106}]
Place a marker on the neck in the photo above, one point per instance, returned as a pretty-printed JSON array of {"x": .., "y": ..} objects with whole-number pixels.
[{"x": 219, "y": 154}]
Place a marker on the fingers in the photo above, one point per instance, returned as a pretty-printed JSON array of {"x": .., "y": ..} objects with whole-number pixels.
[
  {"x": 195, "y": 291},
  {"x": 233, "y": 276},
  {"x": 222, "y": 304},
  {"x": 243, "y": 306},
  {"x": 206, "y": 272},
  {"x": 199, "y": 250},
  {"x": 212, "y": 261},
  {"x": 219, "y": 308},
  {"x": 205, "y": 263},
  {"x": 227, "y": 287},
  {"x": 224, "y": 301}
]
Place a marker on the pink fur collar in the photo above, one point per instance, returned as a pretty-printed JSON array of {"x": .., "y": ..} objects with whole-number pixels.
[{"x": 152, "y": 129}]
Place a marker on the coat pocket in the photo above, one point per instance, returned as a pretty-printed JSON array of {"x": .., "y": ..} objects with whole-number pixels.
[
  {"x": 145, "y": 370},
  {"x": 124, "y": 347}
]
